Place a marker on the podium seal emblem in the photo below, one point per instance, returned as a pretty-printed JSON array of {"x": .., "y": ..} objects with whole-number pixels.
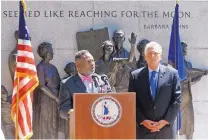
[{"x": 106, "y": 111}]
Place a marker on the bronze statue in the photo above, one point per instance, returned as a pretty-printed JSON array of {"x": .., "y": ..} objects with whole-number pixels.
[
  {"x": 70, "y": 70},
  {"x": 193, "y": 75},
  {"x": 103, "y": 64},
  {"x": 140, "y": 47},
  {"x": 117, "y": 69},
  {"x": 118, "y": 39},
  {"x": 46, "y": 116},
  {"x": 12, "y": 57},
  {"x": 7, "y": 125}
]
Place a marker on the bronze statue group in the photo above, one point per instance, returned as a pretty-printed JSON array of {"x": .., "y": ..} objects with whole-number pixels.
[{"x": 115, "y": 62}]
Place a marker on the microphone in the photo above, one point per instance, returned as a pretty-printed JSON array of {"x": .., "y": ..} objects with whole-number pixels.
[
  {"x": 96, "y": 80},
  {"x": 104, "y": 78}
]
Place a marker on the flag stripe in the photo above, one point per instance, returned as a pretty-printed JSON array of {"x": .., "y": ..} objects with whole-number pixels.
[
  {"x": 20, "y": 132},
  {"x": 21, "y": 84},
  {"x": 15, "y": 81},
  {"x": 26, "y": 66},
  {"x": 28, "y": 113},
  {"x": 14, "y": 104},
  {"x": 24, "y": 47},
  {"x": 25, "y": 53},
  {"x": 29, "y": 103},
  {"x": 25, "y": 59},
  {"x": 21, "y": 124},
  {"x": 24, "y": 89},
  {"x": 26, "y": 71},
  {"x": 24, "y": 114},
  {"x": 24, "y": 42}
]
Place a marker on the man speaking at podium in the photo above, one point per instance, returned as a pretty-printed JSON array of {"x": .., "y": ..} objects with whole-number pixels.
[
  {"x": 85, "y": 81},
  {"x": 158, "y": 94}
]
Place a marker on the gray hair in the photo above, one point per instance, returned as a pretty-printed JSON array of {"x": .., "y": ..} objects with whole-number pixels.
[
  {"x": 154, "y": 45},
  {"x": 80, "y": 53}
]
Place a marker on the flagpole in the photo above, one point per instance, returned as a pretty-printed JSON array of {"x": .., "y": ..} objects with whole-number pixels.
[
  {"x": 175, "y": 44},
  {"x": 177, "y": 127},
  {"x": 175, "y": 39},
  {"x": 17, "y": 104},
  {"x": 17, "y": 110}
]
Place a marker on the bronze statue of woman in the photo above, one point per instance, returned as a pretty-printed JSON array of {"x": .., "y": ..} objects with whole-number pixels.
[
  {"x": 117, "y": 69},
  {"x": 194, "y": 75},
  {"x": 46, "y": 97}
]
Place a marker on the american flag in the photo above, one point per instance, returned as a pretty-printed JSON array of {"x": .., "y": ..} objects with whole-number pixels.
[{"x": 25, "y": 81}]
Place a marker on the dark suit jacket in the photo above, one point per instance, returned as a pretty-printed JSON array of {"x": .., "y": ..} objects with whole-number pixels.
[
  {"x": 166, "y": 103},
  {"x": 73, "y": 85}
]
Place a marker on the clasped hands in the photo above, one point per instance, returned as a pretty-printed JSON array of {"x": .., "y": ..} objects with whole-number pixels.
[{"x": 154, "y": 126}]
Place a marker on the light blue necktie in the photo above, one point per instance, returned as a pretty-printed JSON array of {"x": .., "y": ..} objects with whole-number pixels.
[{"x": 153, "y": 84}]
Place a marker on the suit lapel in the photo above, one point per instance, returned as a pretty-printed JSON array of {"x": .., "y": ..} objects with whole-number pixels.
[
  {"x": 79, "y": 83},
  {"x": 160, "y": 81},
  {"x": 145, "y": 83}
]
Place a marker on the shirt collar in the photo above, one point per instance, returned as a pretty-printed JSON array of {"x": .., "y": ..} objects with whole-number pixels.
[
  {"x": 80, "y": 75},
  {"x": 157, "y": 69}
]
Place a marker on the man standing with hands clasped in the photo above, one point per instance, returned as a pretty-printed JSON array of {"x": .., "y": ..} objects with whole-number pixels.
[{"x": 158, "y": 94}]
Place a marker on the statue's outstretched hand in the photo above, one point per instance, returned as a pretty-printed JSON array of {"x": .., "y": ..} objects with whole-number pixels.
[{"x": 133, "y": 38}]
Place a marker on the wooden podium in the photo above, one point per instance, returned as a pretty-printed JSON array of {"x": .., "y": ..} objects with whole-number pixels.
[{"x": 103, "y": 116}]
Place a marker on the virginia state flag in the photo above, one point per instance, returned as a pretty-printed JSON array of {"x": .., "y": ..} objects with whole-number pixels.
[{"x": 175, "y": 56}]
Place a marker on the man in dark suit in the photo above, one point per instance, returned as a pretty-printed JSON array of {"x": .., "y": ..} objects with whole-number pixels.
[
  {"x": 158, "y": 94},
  {"x": 85, "y": 81}
]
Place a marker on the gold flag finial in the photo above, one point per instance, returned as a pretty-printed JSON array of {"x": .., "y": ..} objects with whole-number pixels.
[{"x": 24, "y": 5}]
